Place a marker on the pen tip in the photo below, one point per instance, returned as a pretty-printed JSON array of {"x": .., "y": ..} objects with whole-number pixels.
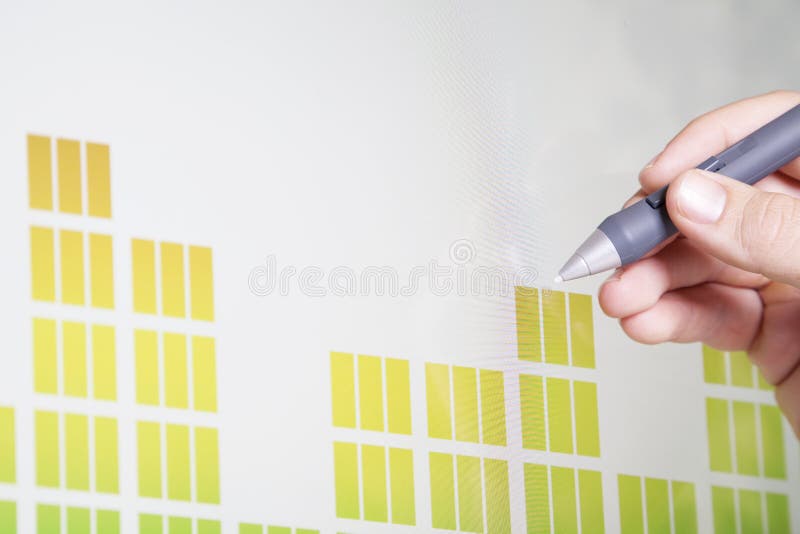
[{"x": 558, "y": 279}]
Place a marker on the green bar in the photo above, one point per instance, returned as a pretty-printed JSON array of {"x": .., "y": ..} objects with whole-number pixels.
[
  {"x": 149, "y": 458},
  {"x": 206, "y": 445},
  {"x": 48, "y": 519},
  {"x": 465, "y": 400},
  {"x": 778, "y": 521},
  {"x": 565, "y": 512},
  {"x": 657, "y": 502},
  {"x": 279, "y": 530},
  {"x": 77, "y": 443},
  {"x": 370, "y": 393},
  {"x": 8, "y": 446},
  {"x": 723, "y": 509},
  {"x": 373, "y": 476},
  {"x": 151, "y": 524},
  {"x": 443, "y": 499},
  {"x": 529, "y": 343},
  {"x": 750, "y": 512},
  {"x": 684, "y": 507},
  {"x": 178, "y": 463},
  {"x": 108, "y": 522},
  {"x": 106, "y": 451},
  {"x": 581, "y": 327},
  {"x": 470, "y": 498},
  {"x": 401, "y": 481},
  {"x": 208, "y": 526},
  {"x": 744, "y": 425},
  {"x": 398, "y": 396},
  {"x": 79, "y": 521},
  {"x": 249, "y": 528},
  {"x": 493, "y": 407},
  {"x": 437, "y": 385},
  {"x": 590, "y": 487},
  {"x": 559, "y": 415},
  {"x": 631, "y": 514},
  {"x": 45, "y": 359},
  {"x": 713, "y": 366},
  {"x": 741, "y": 370},
  {"x": 531, "y": 391},
  {"x": 306, "y": 531},
  {"x": 554, "y": 310},
  {"x": 47, "y": 459},
  {"x": 498, "y": 505},
  {"x": 772, "y": 450},
  {"x": 537, "y": 499},
  {"x": 179, "y": 525},
  {"x": 345, "y": 466},
  {"x": 587, "y": 428},
  {"x": 719, "y": 435},
  {"x": 8, "y": 517}
]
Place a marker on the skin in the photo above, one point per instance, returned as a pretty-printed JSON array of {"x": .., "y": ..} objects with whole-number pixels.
[{"x": 734, "y": 282}]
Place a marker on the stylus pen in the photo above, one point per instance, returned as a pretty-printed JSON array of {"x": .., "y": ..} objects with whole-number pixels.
[{"x": 628, "y": 235}]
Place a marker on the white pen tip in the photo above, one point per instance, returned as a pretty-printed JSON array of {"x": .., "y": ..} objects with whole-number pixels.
[{"x": 558, "y": 279}]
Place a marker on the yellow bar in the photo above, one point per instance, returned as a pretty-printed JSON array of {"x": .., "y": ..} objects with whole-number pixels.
[
  {"x": 204, "y": 369},
  {"x": 744, "y": 427},
  {"x": 76, "y": 430},
  {"x": 104, "y": 362},
  {"x": 345, "y": 467},
  {"x": 101, "y": 268},
  {"x": 343, "y": 390},
  {"x": 719, "y": 437},
  {"x": 146, "y": 350},
  {"x": 8, "y": 447},
  {"x": 465, "y": 400},
  {"x": 532, "y": 407},
  {"x": 70, "y": 195},
  {"x": 75, "y": 374},
  {"x": 401, "y": 480},
  {"x": 370, "y": 391},
  {"x": 537, "y": 499},
  {"x": 529, "y": 343},
  {"x": 201, "y": 283},
  {"x": 559, "y": 415},
  {"x": 590, "y": 490},
  {"x": 443, "y": 492},
  {"x": 373, "y": 477},
  {"x": 208, "y": 526},
  {"x": 741, "y": 370},
  {"x": 554, "y": 310},
  {"x": 43, "y": 264},
  {"x": 45, "y": 362},
  {"x": 176, "y": 371},
  {"x": 179, "y": 485},
  {"x": 773, "y": 453},
  {"x": 587, "y": 428},
  {"x": 714, "y": 366},
  {"x": 206, "y": 445},
  {"x": 493, "y": 407},
  {"x": 73, "y": 289},
  {"x": 581, "y": 327},
  {"x": 40, "y": 173},
  {"x": 98, "y": 170},
  {"x": 470, "y": 497},
  {"x": 148, "y": 436},
  {"x": 498, "y": 505},
  {"x": 437, "y": 385},
  {"x": 47, "y": 459},
  {"x": 173, "y": 283},
  {"x": 565, "y": 512},
  {"x": 106, "y": 455},
  {"x": 398, "y": 396},
  {"x": 143, "y": 254}
]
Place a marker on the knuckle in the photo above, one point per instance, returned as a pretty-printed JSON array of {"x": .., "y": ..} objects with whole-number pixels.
[{"x": 768, "y": 227}]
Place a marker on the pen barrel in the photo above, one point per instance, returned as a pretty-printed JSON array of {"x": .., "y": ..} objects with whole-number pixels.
[{"x": 637, "y": 229}]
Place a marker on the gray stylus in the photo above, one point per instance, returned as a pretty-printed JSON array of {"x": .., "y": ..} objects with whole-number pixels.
[{"x": 631, "y": 233}]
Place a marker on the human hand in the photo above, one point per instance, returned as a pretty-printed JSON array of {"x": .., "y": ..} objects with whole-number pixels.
[{"x": 732, "y": 277}]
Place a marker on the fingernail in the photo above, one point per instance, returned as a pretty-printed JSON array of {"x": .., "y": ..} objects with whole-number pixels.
[
  {"x": 651, "y": 163},
  {"x": 700, "y": 199}
]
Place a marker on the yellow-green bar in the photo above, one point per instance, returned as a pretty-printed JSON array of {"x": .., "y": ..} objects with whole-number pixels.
[
  {"x": 401, "y": 484},
  {"x": 106, "y": 452},
  {"x": 587, "y": 427},
  {"x": 590, "y": 488},
  {"x": 631, "y": 514},
  {"x": 719, "y": 435},
  {"x": 343, "y": 390},
  {"x": 143, "y": 259},
  {"x": 207, "y": 465},
  {"x": 204, "y": 370},
  {"x": 107, "y": 522},
  {"x": 104, "y": 363},
  {"x": 73, "y": 278},
  {"x": 75, "y": 373},
  {"x": 581, "y": 327},
  {"x": 370, "y": 393},
  {"x": 178, "y": 463},
  {"x": 529, "y": 343},
  {"x": 398, "y": 396},
  {"x": 151, "y": 524},
  {"x": 8, "y": 517},
  {"x": 208, "y": 526},
  {"x": 713, "y": 366},
  {"x": 345, "y": 466},
  {"x": 8, "y": 446},
  {"x": 40, "y": 173},
  {"x": 101, "y": 269},
  {"x": 373, "y": 476},
  {"x": 437, "y": 385},
  {"x": 98, "y": 170},
  {"x": 48, "y": 465},
  {"x": 744, "y": 424},
  {"x": 537, "y": 499},
  {"x": 443, "y": 492},
  {"x": 79, "y": 521},
  {"x": 149, "y": 458},
  {"x": 201, "y": 283},
  {"x": 778, "y": 521},
  {"x": 45, "y": 364},
  {"x": 723, "y": 510},
  {"x": 657, "y": 501},
  {"x": 173, "y": 284},
  {"x": 179, "y": 525},
  {"x": 493, "y": 407},
  {"x": 741, "y": 370},
  {"x": 750, "y": 511},
  {"x": 684, "y": 508},
  {"x": 69, "y": 176},
  {"x": 559, "y": 415},
  {"x": 146, "y": 351},
  {"x": 470, "y": 497},
  {"x": 465, "y": 400},
  {"x": 176, "y": 371},
  {"x": 498, "y": 505},
  {"x": 43, "y": 264},
  {"x": 250, "y": 528},
  {"x": 565, "y": 512},
  {"x": 532, "y": 408},
  {"x": 76, "y": 431},
  {"x": 772, "y": 448},
  {"x": 48, "y": 519},
  {"x": 554, "y": 311}
]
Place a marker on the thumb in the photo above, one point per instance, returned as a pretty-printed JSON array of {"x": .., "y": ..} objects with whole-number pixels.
[{"x": 739, "y": 224}]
